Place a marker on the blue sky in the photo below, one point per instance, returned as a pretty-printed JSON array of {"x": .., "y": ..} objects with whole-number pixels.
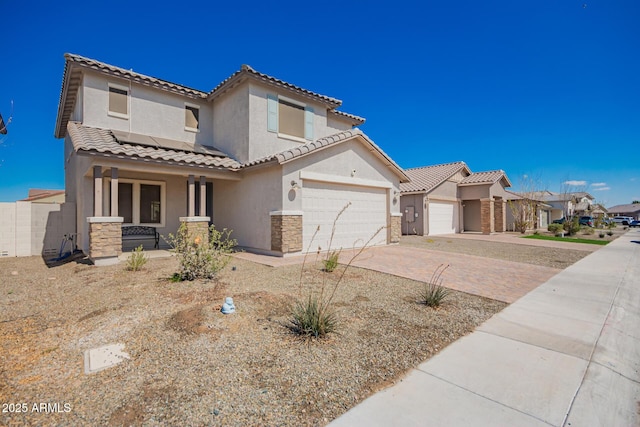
[{"x": 549, "y": 89}]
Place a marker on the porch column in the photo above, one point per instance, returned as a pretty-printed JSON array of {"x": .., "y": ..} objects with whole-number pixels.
[
  {"x": 97, "y": 190},
  {"x": 286, "y": 231},
  {"x": 500, "y": 218},
  {"x": 114, "y": 191},
  {"x": 486, "y": 216},
  {"x": 203, "y": 196},
  {"x": 105, "y": 239},
  {"x": 191, "y": 211}
]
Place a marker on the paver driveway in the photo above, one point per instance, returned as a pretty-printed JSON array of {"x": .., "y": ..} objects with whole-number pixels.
[{"x": 500, "y": 280}]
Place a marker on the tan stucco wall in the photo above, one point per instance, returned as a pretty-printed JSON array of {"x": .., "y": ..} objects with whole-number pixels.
[
  {"x": 472, "y": 217},
  {"x": 244, "y": 206},
  {"x": 231, "y": 123},
  {"x": 340, "y": 161},
  {"x": 448, "y": 190},
  {"x": 418, "y": 225},
  {"x": 151, "y": 112},
  {"x": 474, "y": 192}
]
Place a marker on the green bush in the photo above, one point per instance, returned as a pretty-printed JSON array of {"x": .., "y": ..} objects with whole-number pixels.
[
  {"x": 555, "y": 228},
  {"x": 313, "y": 317},
  {"x": 572, "y": 227},
  {"x": 137, "y": 259},
  {"x": 201, "y": 257},
  {"x": 588, "y": 230},
  {"x": 609, "y": 233},
  {"x": 331, "y": 262},
  {"x": 433, "y": 293},
  {"x": 601, "y": 234}
]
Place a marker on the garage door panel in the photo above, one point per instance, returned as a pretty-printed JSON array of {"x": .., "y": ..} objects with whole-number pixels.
[
  {"x": 321, "y": 203},
  {"x": 443, "y": 218}
]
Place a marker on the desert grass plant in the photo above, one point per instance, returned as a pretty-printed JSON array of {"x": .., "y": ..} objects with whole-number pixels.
[
  {"x": 433, "y": 293},
  {"x": 137, "y": 259},
  {"x": 201, "y": 257},
  {"x": 331, "y": 261},
  {"x": 314, "y": 316}
]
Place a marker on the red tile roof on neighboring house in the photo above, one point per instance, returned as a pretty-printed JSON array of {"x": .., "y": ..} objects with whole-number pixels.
[
  {"x": 37, "y": 194},
  {"x": 105, "y": 142},
  {"x": 489, "y": 177},
  {"x": 426, "y": 178}
]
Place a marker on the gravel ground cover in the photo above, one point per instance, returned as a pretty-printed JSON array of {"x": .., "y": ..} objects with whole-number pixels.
[
  {"x": 191, "y": 365},
  {"x": 537, "y": 255}
]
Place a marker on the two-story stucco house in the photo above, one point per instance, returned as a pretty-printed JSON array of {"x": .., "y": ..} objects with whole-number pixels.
[{"x": 270, "y": 160}]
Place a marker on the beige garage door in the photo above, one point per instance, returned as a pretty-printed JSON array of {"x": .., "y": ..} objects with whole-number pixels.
[
  {"x": 322, "y": 201},
  {"x": 443, "y": 218}
]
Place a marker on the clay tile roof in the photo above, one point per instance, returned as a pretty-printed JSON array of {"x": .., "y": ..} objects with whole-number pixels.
[
  {"x": 103, "y": 141},
  {"x": 72, "y": 77},
  {"x": 286, "y": 155},
  {"x": 426, "y": 178},
  {"x": 490, "y": 177},
  {"x": 247, "y": 72},
  {"x": 634, "y": 207},
  {"x": 37, "y": 194},
  {"x": 355, "y": 120}
]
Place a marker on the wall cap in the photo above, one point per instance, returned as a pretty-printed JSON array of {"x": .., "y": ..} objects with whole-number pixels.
[
  {"x": 104, "y": 219},
  {"x": 286, "y": 213}
]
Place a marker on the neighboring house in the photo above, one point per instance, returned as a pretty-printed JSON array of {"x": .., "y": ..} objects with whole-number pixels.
[
  {"x": 567, "y": 204},
  {"x": 523, "y": 208},
  {"x": 36, "y": 225},
  {"x": 632, "y": 210},
  {"x": 270, "y": 160},
  {"x": 449, "y": 198},
  {"x": 44, "y": 196}
]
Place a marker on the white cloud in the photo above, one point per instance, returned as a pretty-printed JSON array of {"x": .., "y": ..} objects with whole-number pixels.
[
  {"x": 602, "y": 189},
  {"x": 599, "y": 184},
  {"x": 575, "y": 183}
]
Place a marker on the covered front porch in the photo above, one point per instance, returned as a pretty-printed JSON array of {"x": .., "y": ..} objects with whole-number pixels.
[{"x": 143, "y": 201}]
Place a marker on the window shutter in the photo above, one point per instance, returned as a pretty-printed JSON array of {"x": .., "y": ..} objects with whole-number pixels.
[
  {"x": 272, "y": 113},
  {"x": 308, "y": 123}
]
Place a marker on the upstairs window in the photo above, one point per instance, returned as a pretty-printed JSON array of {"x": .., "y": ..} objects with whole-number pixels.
[
  {"x": 191, "y": 117},
  {"x": 289, "y": 118},
  {"x": 118, "y": 101}
]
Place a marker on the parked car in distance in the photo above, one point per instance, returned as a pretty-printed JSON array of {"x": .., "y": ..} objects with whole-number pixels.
[
  {"x": 559, "y": 221},
  {"x": 624, "y": 220},
  {"x": 586, "y": 220},
  {"x": 634, "y": 223}
]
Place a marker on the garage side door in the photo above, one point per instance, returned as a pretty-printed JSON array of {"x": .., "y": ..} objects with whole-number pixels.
[
  {"x": 322, "y": 201},
  {"x": 443, "y": 218}
]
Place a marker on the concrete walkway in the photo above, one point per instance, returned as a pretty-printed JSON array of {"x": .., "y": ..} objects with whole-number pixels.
[{"x": 566, "y": 354}]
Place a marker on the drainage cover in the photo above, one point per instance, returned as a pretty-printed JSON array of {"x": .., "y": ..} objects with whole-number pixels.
[{"x": 103, "y": 357}]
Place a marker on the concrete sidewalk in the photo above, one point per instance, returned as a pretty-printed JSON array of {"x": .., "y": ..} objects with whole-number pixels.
[{"x": 565, "y": 354}]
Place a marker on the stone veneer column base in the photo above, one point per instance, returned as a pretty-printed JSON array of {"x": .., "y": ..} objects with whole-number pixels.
[
  {"x": 197, "y": 227},
  {"x": 105, "y": 239},
  {"x": 486, "y": 216},
  {"x": 286, "y": 231},
  {"x": 396, "y": 228}
]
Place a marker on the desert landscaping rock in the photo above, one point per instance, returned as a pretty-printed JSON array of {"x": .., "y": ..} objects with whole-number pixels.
[{"x": 192, "y": 365}]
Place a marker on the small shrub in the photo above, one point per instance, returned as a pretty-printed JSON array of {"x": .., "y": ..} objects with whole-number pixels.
[
  {"x": 434, "y": 293},
  {"x": 331, "y": 262},
  {"x": 555, "y": 228},
  {"x": 601, "y": 234},
  {"x": 572, "y": 227},
  {"x": 536, "y": 232},
  {"x": 137, "y": 259},
  {"x": 609, "y": 233},
  {"x": 588, "y": 230},
  {"x": 313, "y": 317},
  {"x": 199, "y": 258}
]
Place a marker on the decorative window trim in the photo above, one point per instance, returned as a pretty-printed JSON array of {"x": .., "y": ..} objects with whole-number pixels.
[
  {"x": 188, "y": 105},
  {"x": 115, "y": 113},
  {"x": 273, "y": 117},
  {"x": 135, "y": 202}
]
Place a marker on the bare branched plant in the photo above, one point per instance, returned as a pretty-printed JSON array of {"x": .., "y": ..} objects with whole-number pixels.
[{"x": 314, "y": 316}]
